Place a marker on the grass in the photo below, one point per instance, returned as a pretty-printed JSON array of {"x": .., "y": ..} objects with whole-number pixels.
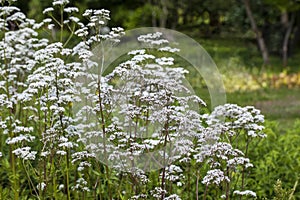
[
  {"x": 246, "y": 53},
  {"x": 282, "y": 105}
]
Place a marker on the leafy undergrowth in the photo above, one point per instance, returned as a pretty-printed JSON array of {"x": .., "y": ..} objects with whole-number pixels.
[
  {"x": 277, "y": 158},
  {"x": 241, "y": 80}
]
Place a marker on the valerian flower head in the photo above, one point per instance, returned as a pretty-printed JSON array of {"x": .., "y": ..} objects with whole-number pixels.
[
  {"x": 25, "y": 153},
  {"x": 71, "y": 9},
  {"x": 81, "y": 185},
  {"x": 215, "y": 176},
  {"x": 60, "y": 2},
  {"x": 48, "y": 10},
  {"x": 20, "y": 138},
  {"x": 245, "y": 193},
  {"x": 168, "y": 49},
  {"x": 233, "y": 118}
]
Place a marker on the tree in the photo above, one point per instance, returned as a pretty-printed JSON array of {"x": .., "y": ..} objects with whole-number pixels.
[
  {"x": 261, "y": 42},
  {"x": 288, "y": 10}
]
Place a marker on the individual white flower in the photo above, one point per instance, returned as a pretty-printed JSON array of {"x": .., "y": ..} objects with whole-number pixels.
[
  {"x": 245, "y": 193},
  {"x": 7, "y": 10},
  {"x": 41, "y": 186},
  {"x": 71, "y": 9},
  {"x": 81, "y": 184},
  {"x": 47, "y": 20},
  {"x": 47, "y": 10},
  {"x": 239, "y": 161},
  {"x": 60, "y": 2},
  {"x": 87, "y": 12},
  {"x": 82, "y": 32},
  {"x": 157, "y": 192},
  {"x": 172, "y": 197},
  {"x": 59, "y": 152},
  {"x": 61, "y": 187},
  {"x": 18, "y": 16},
  {"x": 20, "y": 138},
  {"x": 74, "y": 19},
  {"x": 45, "y": 153},
  {"x": 135, "y": 52},
  {"x": 165, "y": 61},
  {"x": 51, "y": 26},
  {"x": 169, "y": 49}
]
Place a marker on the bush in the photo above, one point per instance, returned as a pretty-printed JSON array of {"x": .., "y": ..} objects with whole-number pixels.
[{"x": 276, "y": 158}]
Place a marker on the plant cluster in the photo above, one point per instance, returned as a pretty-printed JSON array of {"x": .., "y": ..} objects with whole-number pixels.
[
  {"x": 277, "y": 163},
  {"x": 283, "y": 79},
  {"x": 244, "y": 81},
  {"x": 67, "y": 131}
]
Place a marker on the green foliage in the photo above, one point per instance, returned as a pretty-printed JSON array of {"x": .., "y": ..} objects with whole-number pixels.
[
  {"x": 284, "y": 5},
  {"x": 141, "y": 17},
  {"x": 275, "y": 158}
]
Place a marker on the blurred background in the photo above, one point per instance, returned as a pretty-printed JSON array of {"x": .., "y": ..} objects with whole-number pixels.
[
  {"x": 277, "y": 21},
  {"x": 255, "y": 43}
]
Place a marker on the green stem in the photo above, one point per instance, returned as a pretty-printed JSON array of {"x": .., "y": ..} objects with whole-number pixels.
[
  {"x": 15, "y": 178},
  {"x": 163, "y": 180},
  {"x": 30, "y": 181},
  {"x": 227, "y": 184},
  {"x": 11, "y": 135},
  {"x": 61, "y": 23},
  {"x": 69, "y": 38},
  {"x": 103, "y": 125},
  {"x": 67, "y": 175},
  {"x": 205, "y": 192},
  {"x": 52, "y": 169},
  {"x": 197, "y": 184},
  {"x": 244, "y": 169}
]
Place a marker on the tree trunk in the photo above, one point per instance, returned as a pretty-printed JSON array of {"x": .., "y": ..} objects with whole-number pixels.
[
  {"x": 174, "y": 16},
  {"x": 286, "y": 41},
  {"x": 261, "y": 43},
  {"x": 296, "y": 34},
  {"x": 164, "y": 13},
  {"x": 154, "y": 24},
  {"x": 284, "y": 19},
  {"x": 153, "y": 14}
]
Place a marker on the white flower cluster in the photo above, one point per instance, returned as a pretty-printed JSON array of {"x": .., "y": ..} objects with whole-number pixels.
[
  {"x": 245, "y": 193},
  {"x": 174, "y": 174},
  {"x": 247, "y": 118},
  {"x": 60, "y": 2},
  {"x": 218, "y": 147},
  {"x": 81, "y": 185},
  {"x": 153, "y": 39},
  {"x": 157, "y": 192},
  {"x": 25, "y": 153},
  {"x": 215, "y": 176},
  {"x": 141, "y": 114}
]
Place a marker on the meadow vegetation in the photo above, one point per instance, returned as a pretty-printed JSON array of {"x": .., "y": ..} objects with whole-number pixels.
[{"x": 70, "y": 131}]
